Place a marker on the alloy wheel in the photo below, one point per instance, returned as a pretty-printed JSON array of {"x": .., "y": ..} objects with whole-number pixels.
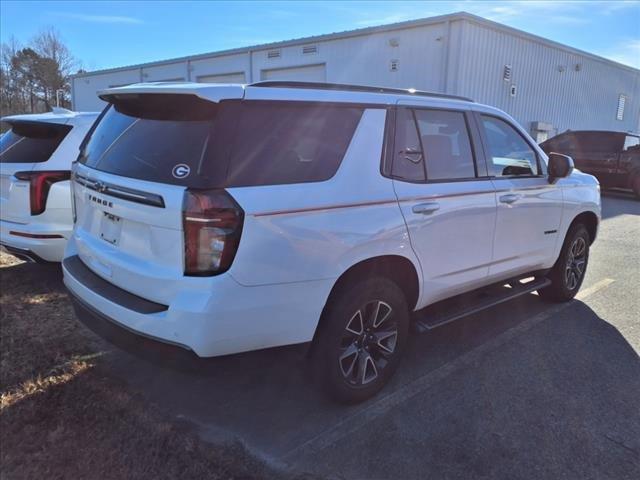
[
  {"x": 369, "y": 340},
  {"x": 576, "y": 263}
]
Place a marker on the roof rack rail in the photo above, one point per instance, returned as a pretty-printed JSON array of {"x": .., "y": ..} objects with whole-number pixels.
[{"x": 354, "y": 88}]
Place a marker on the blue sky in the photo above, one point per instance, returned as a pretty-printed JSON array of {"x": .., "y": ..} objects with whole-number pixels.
[{"x": 110, "y": 34}]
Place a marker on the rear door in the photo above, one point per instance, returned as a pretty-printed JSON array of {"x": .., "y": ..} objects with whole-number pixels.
[
  {"x": 26, "y": 145},
  {"x": 529, "y": 207},
  {"x": 447, "y": 200}
]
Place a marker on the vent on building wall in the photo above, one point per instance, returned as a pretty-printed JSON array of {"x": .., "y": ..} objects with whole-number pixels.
[
  {"x": 273, "y": 54},
  {"x": 622, "y": 99},
  {"x": 506, "y": 73},
  {"x": 309, "y": 49},
  {"x": 513, "y": 91},
  {"x": 394, "y": 65}
]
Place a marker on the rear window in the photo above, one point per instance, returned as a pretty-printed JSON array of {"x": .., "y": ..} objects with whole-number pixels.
[
  {"x": 183, "y": 140},
  {"x": 31, "y": 142}
]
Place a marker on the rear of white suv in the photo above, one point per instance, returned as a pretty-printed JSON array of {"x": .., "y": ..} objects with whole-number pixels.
[
  {"x": 35, "y": 201},
  {"x": 222, "y": 219}
]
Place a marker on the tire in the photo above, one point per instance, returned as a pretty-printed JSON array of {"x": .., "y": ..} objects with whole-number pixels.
[
  {"x": 362, "y": 335},
  {"x": 569, "y": 270}
]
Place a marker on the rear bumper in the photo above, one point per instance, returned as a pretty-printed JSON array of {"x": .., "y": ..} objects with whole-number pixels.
[
  {"x": 151, "y": 348},
  {"x": 48, "y": 249},
  {"x": 231, "y": 319}
]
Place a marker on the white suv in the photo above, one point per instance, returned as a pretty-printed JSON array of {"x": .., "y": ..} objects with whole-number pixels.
[
  {"x": 228, "y": 218},
  {"x": 35, "y": 162}
]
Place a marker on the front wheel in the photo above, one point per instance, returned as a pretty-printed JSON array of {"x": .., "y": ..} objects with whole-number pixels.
[
  {"x": 363, "y": 333},
  {"x": 569, "y": 270}
]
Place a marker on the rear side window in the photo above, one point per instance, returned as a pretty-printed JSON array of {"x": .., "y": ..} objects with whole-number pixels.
[
  {"x": 183, "y": 140},
  {"x": 510, "y": 154},
  {"x": 31, "y": 142},
  {"x": 289, "y": 143},
  {"x": 432, "y": 145},
  {"x": 446, "y": 144}
]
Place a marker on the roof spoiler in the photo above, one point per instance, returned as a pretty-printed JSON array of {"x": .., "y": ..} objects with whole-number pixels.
[{"x": 211, "y": 93}]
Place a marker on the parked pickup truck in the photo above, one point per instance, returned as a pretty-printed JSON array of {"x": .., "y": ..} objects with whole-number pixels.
[
  {"x": 612, "y": 157},
  {"x": 225, "y": 218}
]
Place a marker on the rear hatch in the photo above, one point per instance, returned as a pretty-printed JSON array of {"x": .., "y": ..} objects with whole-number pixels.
[
  {"x": 129, "y": 187},
  {"x": 27, "y": 145},
  {"x": 153, "y": 181}
]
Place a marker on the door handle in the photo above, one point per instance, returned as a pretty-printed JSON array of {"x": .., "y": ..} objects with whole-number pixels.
[
  {"x": 425, "y": 208},
  {"x": 510, "y": 198}
]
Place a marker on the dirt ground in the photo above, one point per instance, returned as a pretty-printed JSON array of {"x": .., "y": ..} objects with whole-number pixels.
[{"x": 63, "y": 416}]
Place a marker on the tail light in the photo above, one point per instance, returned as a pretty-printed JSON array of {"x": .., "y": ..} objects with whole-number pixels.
[
  {"x": 212, "y": 222},
  {"x": 39, "y": 185}
]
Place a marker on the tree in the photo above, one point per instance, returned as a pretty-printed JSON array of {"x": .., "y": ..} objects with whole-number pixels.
[{"x": 32, "y": 76}]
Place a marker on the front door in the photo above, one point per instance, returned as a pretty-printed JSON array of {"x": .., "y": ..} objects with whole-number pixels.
[
  {"x": 529, "y": 207},
  {"x": 447, "y": 200}
]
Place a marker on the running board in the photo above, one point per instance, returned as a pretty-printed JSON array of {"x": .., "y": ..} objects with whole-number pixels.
[{"x": 442, "y": 313}]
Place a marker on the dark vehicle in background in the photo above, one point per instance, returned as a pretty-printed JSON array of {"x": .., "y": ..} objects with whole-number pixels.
[{"x": 612, "y": 157}]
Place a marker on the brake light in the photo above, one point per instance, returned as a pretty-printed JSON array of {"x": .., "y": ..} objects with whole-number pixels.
[
  {"x": 212, "y": 222},
  {"x": 39, "y": 185}
]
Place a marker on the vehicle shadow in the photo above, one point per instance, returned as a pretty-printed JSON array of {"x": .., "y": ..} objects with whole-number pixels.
[{"x": 266, "y": 398}]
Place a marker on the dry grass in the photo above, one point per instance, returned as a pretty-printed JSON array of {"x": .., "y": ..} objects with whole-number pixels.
[{"x": 63, "y": 416}]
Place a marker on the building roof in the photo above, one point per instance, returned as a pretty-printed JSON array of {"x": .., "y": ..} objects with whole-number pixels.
[{"x": 367, "y": 31}]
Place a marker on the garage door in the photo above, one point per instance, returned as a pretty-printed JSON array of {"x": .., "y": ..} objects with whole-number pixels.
[
  {"x": 307, "y": 73},
  {"x": 236, "y": 77}
]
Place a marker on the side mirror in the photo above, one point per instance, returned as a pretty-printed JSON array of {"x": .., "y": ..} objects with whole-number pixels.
[{"x": 560, "y": 166}]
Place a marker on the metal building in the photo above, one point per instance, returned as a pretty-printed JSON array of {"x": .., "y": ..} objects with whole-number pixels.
[{"x": 548, "y": 87}]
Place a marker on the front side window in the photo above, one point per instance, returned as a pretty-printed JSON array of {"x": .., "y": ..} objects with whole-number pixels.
[
  {"x": 31, "y": 142},
  {"x": 509, "y": 154}
]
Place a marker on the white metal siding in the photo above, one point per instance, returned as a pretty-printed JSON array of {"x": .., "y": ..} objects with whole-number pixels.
[
  {"x": 237, "y": 77},
  {"x": 565, "y": 89},
  {"x": 85, "y": 88},
  {"x": 304, "y": 73},
  {"x": 556, "y": 85}
]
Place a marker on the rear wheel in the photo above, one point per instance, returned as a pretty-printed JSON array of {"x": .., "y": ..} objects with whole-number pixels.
[
  {"x": 363, "y": 333},
  {"x": 569, "y": 270}
]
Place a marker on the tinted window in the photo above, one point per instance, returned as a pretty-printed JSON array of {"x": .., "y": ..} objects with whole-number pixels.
[
  {"x": 31, "y": 142},
  {"x": 148, "y": 138},
  {"x": 227, "y": 144},
  {"x": 510, "y": 154},
  {"x": 408, "y": 161},
  {"x": 446, "y": 144},
  {"x": 289, "y": 143}
]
